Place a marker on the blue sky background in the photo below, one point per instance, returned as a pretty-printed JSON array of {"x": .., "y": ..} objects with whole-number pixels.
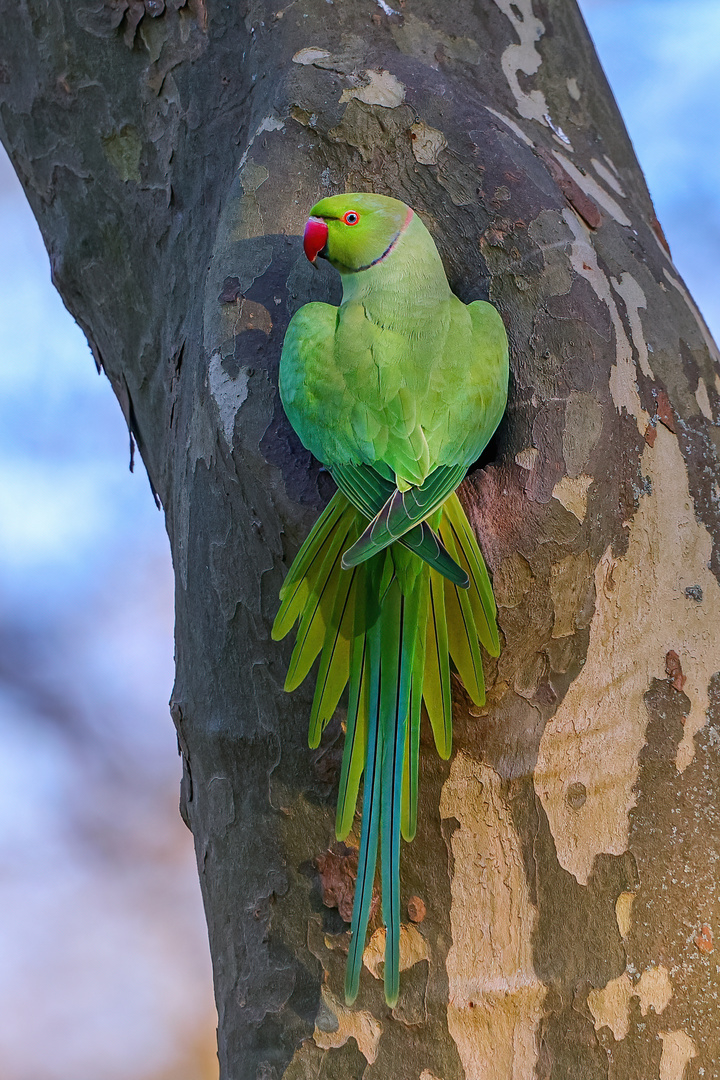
[
  {"x": 662, "y": 59},
  {"x": 104, "y": 969},
  {"x": 103, "y": 957}
]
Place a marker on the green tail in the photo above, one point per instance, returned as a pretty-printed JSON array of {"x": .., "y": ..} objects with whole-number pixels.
[{"x": 390, "y": 627}]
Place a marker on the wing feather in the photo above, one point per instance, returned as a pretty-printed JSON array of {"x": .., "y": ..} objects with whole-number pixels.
[
  {"x": 370, "y": 492},
  {"x": 334, "y": 668},
  {"x": 402, "y": 511},
  {"x": 317, "y": 612},
  {"x": 308, "y": 562},
  {"x": 470, "y": 558},
  {"x": 463, "y": 638}
]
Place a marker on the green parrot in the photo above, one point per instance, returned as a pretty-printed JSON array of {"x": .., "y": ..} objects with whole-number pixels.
[{"x": 396, "y": 392}]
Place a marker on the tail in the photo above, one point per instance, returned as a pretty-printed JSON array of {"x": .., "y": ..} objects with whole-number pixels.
[{"x": 390, "y": 627}]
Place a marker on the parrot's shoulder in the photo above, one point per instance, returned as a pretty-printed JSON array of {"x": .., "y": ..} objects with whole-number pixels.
[
  {"x": 307, "y": 348},
  {"x": 487, "y": 321},
  {"x": 312, "y": 323}
]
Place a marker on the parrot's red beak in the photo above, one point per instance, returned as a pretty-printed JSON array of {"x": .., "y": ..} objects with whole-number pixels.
[{"x": 315, "y": 239}]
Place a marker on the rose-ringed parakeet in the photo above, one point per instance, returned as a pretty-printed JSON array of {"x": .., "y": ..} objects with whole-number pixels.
[{"x": 396, "y": 392}]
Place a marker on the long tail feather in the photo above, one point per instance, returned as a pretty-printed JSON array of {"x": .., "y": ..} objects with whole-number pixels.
[
  {"x": 394, "y": 707},
  {"x": 393, "y": 750},
  {"x": 401, "y": 625},
  {"x": 355, "y": 747},
  {"x": 367, "y": 857},
  {"x": 408, "y": 823}
]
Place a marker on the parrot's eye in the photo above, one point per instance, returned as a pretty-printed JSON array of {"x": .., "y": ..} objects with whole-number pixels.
[{"x": 351, "y": 218}]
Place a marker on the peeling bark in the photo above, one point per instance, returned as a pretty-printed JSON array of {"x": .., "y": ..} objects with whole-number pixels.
[{"x": 565, "y": 859}]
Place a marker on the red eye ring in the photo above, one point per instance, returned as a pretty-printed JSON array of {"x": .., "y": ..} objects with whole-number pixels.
[{"x": 351, "y": 217}]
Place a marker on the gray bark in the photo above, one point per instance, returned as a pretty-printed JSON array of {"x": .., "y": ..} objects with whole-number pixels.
[{"x": 565, "y": 856}]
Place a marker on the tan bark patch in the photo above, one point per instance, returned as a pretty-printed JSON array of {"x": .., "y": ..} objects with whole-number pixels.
[
  {"x": 310, "y": 55},
  {"x": 382, "y": 88},
  {"x": 591, "y": 187},
  {"x": 654, "y": 989},
  {"x": 351, "y": 1024},
  {"x": 701, "y": 396},
  {"x": 642, "y": 613},
  {"x": 678, "y": 1049},
  {"x": 413, "y": 949},
  {"x": 623, "y": 376},
  {"x": 427, "y": 143},
  {"x": 610, "y": 1006},
  {"x": 609, "y": 178},
  {"x": 634, "y": 298},
  {"x": 623, "y": 912},
  {"x": 528, "y": 459},
  {"x": 572, "y": 494},
  {"x": 495, "y": 997},
  {"x": 573, "y": 89}
]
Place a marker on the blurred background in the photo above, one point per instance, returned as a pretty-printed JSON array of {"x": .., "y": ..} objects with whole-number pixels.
[
  {"x": 104, "y": 967},
  {"x": 104, "y": 970}
]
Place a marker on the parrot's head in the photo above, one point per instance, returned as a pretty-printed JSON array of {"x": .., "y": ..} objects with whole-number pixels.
[{"x": 353, "y": 232}]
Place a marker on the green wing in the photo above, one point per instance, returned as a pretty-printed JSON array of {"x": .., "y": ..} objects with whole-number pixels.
[
  {"x": 370, "y": 492},
  {"x": 403, "y": 511},
  {"x": 311, "y": 384}
]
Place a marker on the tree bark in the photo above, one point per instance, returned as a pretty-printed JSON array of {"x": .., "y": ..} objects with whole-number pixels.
[{"x": 566, "y": 854}]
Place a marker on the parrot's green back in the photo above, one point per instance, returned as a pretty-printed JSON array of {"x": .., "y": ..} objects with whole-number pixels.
[{"x": 396, "y": 392}]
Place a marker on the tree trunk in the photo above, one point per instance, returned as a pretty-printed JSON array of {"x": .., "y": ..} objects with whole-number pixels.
[{"x": 566, "y": 854}]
